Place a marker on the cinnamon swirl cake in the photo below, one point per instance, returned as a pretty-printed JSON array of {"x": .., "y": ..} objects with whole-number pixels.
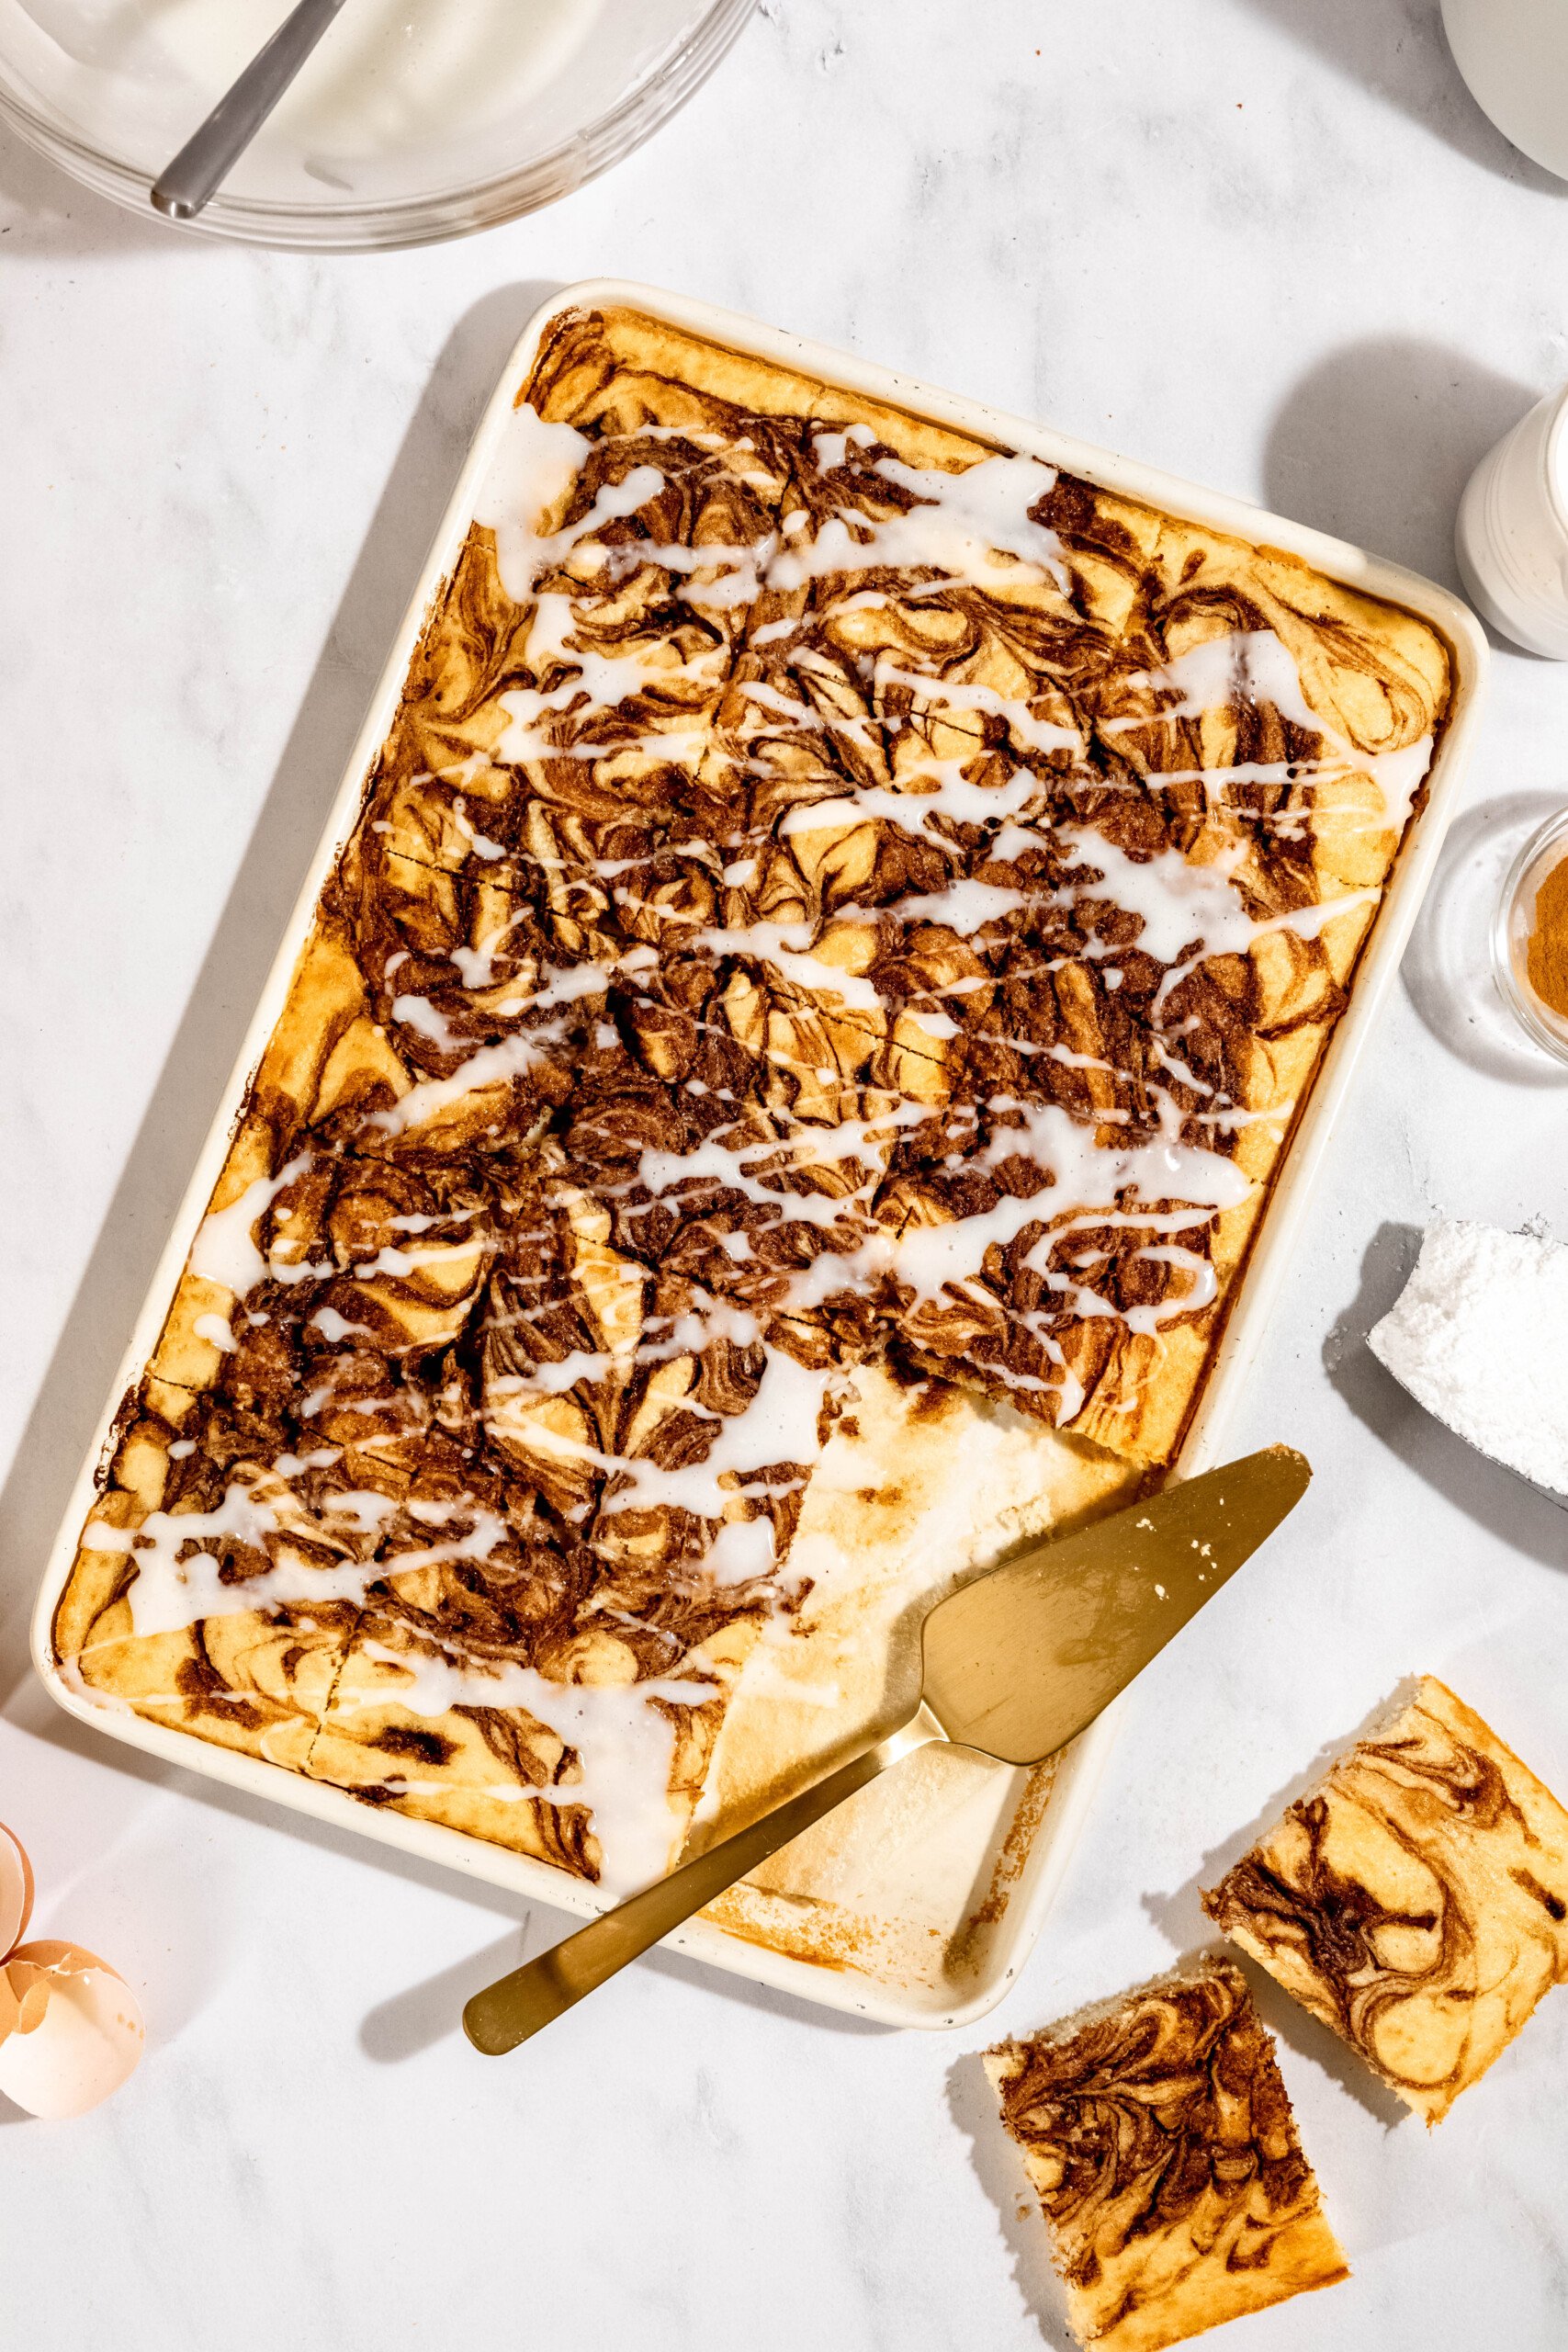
[
  {"x": 1416, "y": 1901},
  {"x": 840, "y": 903},
  {"x": 1159, "y": 2138}
]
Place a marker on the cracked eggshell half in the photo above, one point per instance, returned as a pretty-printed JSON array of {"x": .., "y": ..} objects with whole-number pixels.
[
  {"x": 70, "y": 2029},
  {"x": 15, "y": 1890}
]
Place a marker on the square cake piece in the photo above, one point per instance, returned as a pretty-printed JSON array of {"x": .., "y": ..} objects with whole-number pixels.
[
  {"x": 1416, "y": 1900},
  {"x": 1160, "y": 2139}
]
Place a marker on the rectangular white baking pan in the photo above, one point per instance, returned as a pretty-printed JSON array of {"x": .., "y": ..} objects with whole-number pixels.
[{"x": 934, "y": 1994}]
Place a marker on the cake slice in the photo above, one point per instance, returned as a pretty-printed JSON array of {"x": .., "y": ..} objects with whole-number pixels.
[
  {"x": 570, "y": 669},
  {"x": 1160, "y": 2139},
  {"x": 1416, "y": 1900},
  {"x": 175, "y": 1611}
]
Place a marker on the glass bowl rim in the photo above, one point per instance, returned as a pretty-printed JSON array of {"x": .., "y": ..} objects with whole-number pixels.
[{"x": 427, "y": 218}]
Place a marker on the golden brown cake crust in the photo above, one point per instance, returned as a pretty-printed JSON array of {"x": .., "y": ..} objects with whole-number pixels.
[
  {"x": 834, "y": 891},
  {"x": 1416, "y": 1901},
  {"x": 1160, "y": 2138}
]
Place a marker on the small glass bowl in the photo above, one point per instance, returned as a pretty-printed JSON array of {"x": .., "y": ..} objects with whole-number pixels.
[
  {"x": 423, "y": 153},
  {"x": 1546, "y": 849}
]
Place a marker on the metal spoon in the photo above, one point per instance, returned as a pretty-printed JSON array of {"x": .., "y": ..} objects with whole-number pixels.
[{"x": 209, "y": 156}]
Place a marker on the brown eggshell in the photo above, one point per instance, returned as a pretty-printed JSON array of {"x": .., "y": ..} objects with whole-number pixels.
[
  {"x": 77, "y": 2034},
  {"x": 15, "y": 1890}
]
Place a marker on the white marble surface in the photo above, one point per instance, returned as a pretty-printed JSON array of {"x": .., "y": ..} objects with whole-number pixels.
[{"x": 1267, "y": 243}]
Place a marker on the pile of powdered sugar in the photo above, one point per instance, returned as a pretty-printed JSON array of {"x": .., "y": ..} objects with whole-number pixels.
[{"x": 1479, "y": 1336}]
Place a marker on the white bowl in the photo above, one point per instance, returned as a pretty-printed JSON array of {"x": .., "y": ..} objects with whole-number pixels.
[{"x": 1514, "y": 54}]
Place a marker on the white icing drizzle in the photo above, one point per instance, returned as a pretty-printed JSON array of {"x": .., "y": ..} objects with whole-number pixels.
[
  {"x": 1034, "y": 734},
  {"x": 225, "y": 1250},
  {"x": 956, "y": 529},
  {"x": 785, "y": 945},
  {"x": 497, "y": 1065},
  {"x": 601, "y": 683},
  {"x": 534, "y": 467},
  {"x": 780, "y": 1424},
  {"x": 965, "y": 906},
  {"x": 950, "y": 795},
  {"x": 1180, "y": 904},
  {"x": 625, "y": 1746},
  {"x": 171, "y": 1591},
  {"x": 1256, "y": 666}
]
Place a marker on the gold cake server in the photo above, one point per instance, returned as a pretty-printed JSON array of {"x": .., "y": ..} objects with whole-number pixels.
[{"x": 1015, "y": 1665}]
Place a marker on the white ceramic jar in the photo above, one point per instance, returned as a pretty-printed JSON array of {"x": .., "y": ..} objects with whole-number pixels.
[
  {"x": 1514, "y": 54},
  {"x": 1512, "y": 534}
]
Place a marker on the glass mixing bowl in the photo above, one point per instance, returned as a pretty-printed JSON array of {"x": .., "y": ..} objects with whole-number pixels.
[{"x": 416, "y": 119}]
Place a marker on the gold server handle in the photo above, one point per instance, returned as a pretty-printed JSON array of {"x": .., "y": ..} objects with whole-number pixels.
[{"x": 514, "y": 2006}]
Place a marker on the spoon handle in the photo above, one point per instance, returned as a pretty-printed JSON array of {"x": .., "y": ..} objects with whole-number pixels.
[
  {"x": 210, "y": 153},
  {"x": 508, "y": 2011}
]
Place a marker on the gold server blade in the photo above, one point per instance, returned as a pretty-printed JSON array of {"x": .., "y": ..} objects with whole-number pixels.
[
  {"x": 1016, "y": 1664},
  {"x": 1023, "y": 1660}
]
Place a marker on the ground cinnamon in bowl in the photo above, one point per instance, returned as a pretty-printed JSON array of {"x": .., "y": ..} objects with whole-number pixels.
[
  {"x": 1530, "y": 938},
  {"x": 1546, "y": 959}
]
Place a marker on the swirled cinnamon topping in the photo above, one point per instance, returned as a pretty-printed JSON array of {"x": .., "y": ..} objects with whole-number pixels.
[
  {"x": 831, "y": 886},
  {"x": 1159, "y": 2137},
  {"x": 1416, "y": 1901}
]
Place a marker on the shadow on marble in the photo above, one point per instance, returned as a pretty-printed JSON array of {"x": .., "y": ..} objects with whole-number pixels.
[
  {"x": 1479, "y": 1489},
  {"x": 243, "y": 945},
  {"x": 44, "y": 210},
  {"x": 1447, "y": 970},
  {"x": 972, "y": 2103},
  {"x": 411, "y": 2021},
  {"x": 1400, "y": 54},
  {"x": 1378, "y": 440}
]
